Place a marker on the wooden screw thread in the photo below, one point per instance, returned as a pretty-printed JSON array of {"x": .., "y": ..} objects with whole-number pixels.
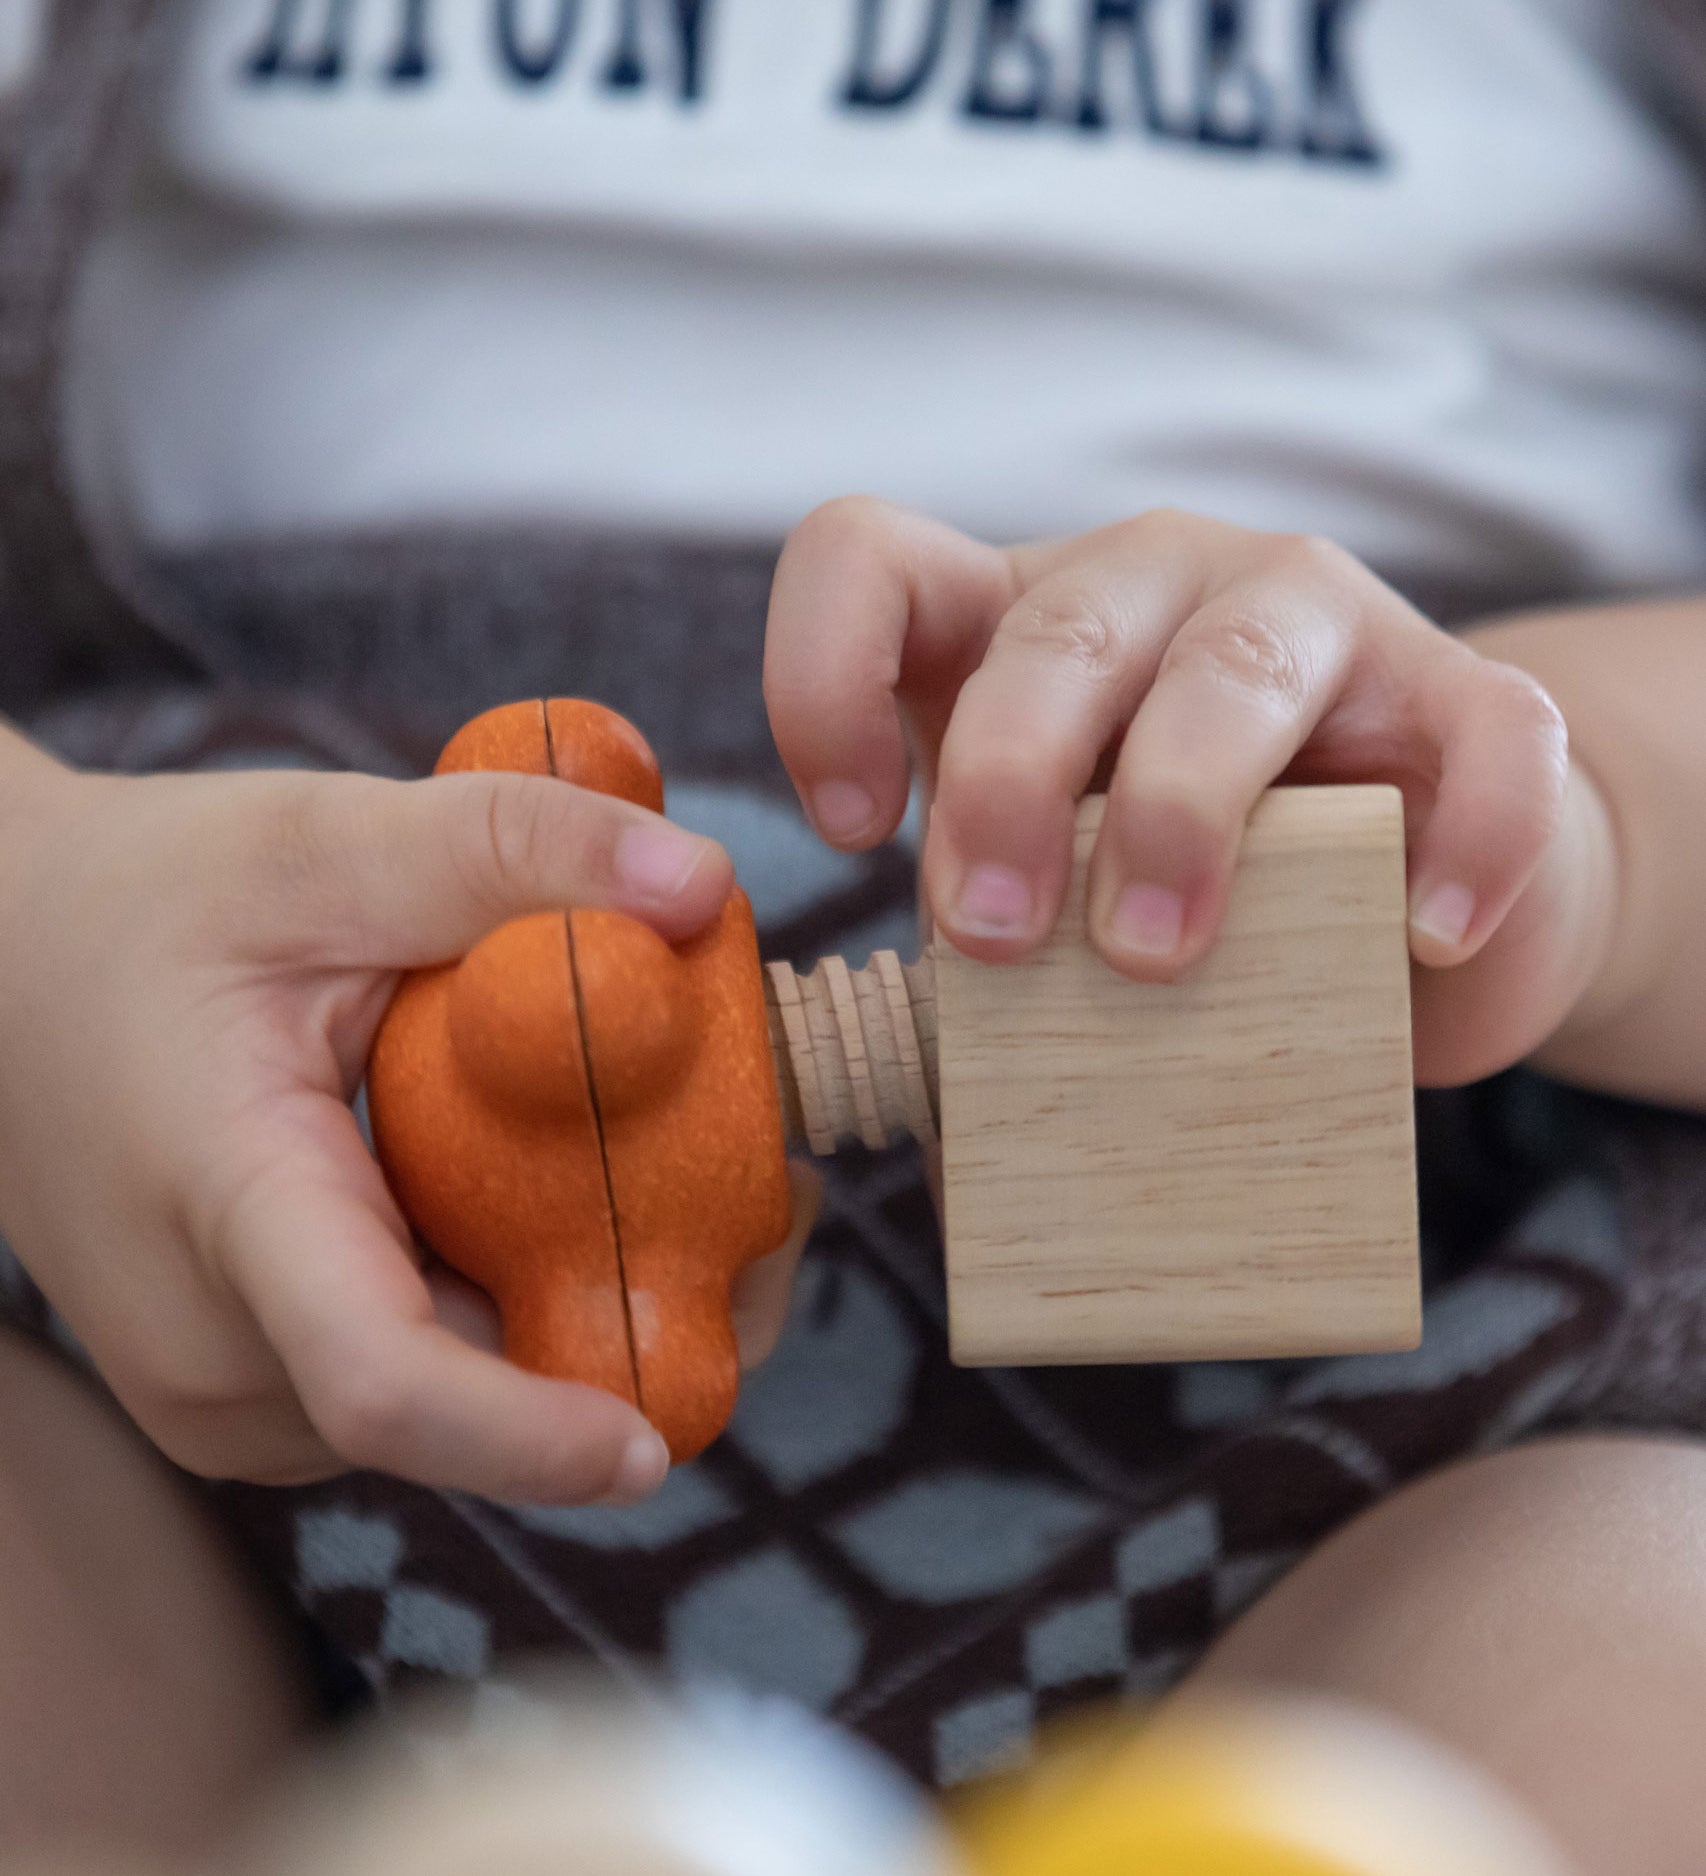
[{"x": 855, "y": 1050}]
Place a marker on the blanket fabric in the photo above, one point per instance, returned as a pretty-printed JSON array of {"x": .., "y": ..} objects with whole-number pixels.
[{"x": 938, "y": 1558}]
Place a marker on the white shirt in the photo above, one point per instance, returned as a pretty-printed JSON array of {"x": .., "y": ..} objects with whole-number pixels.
[{"x": 1418, "y": 274}]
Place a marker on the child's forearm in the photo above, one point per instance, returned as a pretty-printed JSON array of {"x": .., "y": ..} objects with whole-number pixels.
[
  {"x": 1629, "y": 873},
  {"x": 24, "y": 771},
  {"x": 21, "y": 760}
]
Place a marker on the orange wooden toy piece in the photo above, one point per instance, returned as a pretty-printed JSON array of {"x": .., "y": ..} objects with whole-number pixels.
[{"x": 584, "y": 1120}]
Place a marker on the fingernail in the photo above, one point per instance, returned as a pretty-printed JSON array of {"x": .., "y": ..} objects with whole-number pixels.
[
  {"x": 656, "y": 860},
  {"x": 994, "y": 902},
  {"x": 1148, "y": 920},
  {"x": 645, "y": 1464},
  {"x": 1444, "y": 914},
  {"x": 842, "y": 811}
]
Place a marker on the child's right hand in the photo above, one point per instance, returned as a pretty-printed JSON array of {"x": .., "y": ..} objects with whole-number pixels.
[
  {"x": 1191, "y": 664},
  {"x": 191, "y": 972}
]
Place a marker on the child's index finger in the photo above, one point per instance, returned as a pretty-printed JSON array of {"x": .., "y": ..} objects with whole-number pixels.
[{"x": 872, "y": 607}]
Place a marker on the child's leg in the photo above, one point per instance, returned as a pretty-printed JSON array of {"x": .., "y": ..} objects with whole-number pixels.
[
  {"x": 1543, "y": 1611},
  {"x": 144, "y": 1692}
]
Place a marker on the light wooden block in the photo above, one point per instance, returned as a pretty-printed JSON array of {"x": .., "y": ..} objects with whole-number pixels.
[{"x": 1216, "y": 1169}]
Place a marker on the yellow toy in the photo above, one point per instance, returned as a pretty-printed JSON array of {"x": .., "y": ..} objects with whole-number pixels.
[{"x": 1267, "y": 1787}]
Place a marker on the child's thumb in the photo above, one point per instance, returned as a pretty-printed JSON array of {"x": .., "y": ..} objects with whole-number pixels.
[{"x": 449, "y": 859}]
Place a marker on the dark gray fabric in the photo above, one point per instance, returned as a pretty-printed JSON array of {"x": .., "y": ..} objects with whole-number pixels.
[
  {"x": 421, "y": 631},
  {"x": 1668, "y": 39},
  {"x": 69, "y": 613}
]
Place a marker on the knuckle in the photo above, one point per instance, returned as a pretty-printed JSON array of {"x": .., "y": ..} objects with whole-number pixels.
[
  {"x": 1069, "y": 628},
  {"x": 311, "y": 834},
  {"x": 849, "y": 521},
  {"x": 1162, "y": 532},
  {"x": 503, "y": 838},
  {"x": 295, "y": 834},
  {"x": 300, "y": 840},
  {"x": 1245, "y": 650},
  {"x": 1315, "y": 560},
  {"x": 1164, "y": 520},
  {"x": 1159, "y": 529}
]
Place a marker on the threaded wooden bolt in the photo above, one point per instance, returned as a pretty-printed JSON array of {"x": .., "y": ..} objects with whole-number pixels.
[{"x": 855, "y": 1050}]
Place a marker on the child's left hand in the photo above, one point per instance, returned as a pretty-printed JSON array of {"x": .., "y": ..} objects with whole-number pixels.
[{"x": 1190, "y": 664}]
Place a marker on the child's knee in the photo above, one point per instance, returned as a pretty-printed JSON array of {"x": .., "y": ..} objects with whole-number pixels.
[
  {"x": 1542, "y": 1610},
  {"x": 147, "y": 1690}
]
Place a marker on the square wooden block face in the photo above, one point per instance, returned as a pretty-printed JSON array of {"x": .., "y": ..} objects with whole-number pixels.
[{"x": 1218, "y": 1169}]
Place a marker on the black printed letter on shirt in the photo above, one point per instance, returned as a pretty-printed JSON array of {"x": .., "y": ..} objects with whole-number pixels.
[
  {"x": 627, "y": 68},
  {"x": 1008, "y": 48},
  {"x": 286, "y": 53},
  {"x": 1333, "y": 127},
  {"x": 1131, "y": 18},
  {"x": 867, "y": 88},
  {"x": 411, "y": 63},
  {"x": 1234, "y": 104},
  {"x": 532, "y": 57}
]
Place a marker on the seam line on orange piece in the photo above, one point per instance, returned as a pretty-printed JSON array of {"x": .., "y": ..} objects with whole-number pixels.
[
  {"x": 604, "y": 1163},
  {"x": 592, "y": 1096}
]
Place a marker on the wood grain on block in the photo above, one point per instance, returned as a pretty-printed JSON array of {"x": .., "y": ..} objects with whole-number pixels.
[{"x": 1222, "y": 1168}]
